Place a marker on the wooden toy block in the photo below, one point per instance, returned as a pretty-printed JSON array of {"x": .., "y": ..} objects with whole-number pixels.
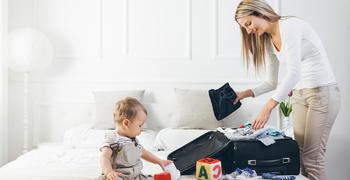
[{"x": 208, "y": 169}]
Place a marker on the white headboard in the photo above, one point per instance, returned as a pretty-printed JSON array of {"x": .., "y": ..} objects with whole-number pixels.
[{"x": 52, "y": 119}]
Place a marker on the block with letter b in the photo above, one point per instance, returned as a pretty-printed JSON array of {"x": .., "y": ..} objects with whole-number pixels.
[{"x": 208, "y": 169}]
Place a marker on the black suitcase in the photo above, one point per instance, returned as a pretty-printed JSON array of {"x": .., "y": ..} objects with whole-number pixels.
[
  {"x": 211, "y": 144},
  {"x": 282, "y": 157}
]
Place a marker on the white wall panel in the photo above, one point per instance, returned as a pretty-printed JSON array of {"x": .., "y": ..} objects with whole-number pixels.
[
  {"x": 3, "y": 83},
  {"x": 226, "y": 32},
  {"x": 114, "y": 28},
  {"x": 152, "y": 44},
  {"x": 227, "y": 39},
  {"x": 331, "y": 20},
  {"x": 73, "y": 26},
  {"x": 20, "y": 13},
  {"x": 159, "y": 28}
]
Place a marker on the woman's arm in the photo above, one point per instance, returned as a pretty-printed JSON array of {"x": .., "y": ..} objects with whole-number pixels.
[
  {"x": 291, "y": 51},
  {"x": 243, "y": 94},
  {"x": 271, "y": 80},
  {"x": 264, "y": 115},
  {"x": 269, "y": 84}
]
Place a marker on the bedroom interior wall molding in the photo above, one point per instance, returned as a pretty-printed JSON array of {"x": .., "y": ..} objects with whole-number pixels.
[
  {"x": 75, "y": 74},
  {"x": 276, "y": 5},
  {"x": 3, "y": 83},
  {"x": 127, "y": 55},
  {"x": 188, "y": 37},
  {"x": 215, "y": 50},
  {"x": 94, "y": 54}
]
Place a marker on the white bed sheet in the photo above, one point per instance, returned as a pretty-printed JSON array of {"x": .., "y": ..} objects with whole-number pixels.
[
  {"x": 55, "y": 161},
  {"x": 59, "y": 162},
  {"x": 77, "y": 158}
]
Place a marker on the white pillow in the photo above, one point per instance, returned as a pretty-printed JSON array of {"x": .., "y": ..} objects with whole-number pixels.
[
  {"x": 239, "y": 117},
  {"x": 194, "y": 110},
  {"x": 83, "y": 136},
  {"x": 105, "y": 102},
  {"x": 159, "y": 115},
  {"x": 171, "y": 139},
  {"x": 147, "y": 139}
]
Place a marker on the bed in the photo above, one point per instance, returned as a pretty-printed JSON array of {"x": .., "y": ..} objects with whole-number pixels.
[
  {"x": 62, "y": 161},
  {"x": 168, "y": 127}
]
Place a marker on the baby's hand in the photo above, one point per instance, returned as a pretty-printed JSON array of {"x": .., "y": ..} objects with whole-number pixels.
[
  {"x": 163, "y": 163},
  {"x": 113, "y": 175}
]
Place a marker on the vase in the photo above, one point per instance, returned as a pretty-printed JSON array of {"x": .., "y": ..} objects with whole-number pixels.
[{"x": 287, "y": 126}]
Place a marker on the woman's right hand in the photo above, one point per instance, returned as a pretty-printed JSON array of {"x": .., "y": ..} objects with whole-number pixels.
[
  {"x": 113, "y": 175},
  {"x": 243, "y": 94}
]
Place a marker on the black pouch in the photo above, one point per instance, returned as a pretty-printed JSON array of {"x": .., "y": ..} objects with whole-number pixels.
[{"x": 222, "y": 101}]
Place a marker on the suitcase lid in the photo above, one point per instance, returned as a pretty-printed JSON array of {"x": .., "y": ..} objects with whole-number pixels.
[{"x": 205, "y": 145}]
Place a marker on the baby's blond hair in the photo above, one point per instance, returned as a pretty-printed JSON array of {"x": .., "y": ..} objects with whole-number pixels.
[{"x": 127, "y": 109}]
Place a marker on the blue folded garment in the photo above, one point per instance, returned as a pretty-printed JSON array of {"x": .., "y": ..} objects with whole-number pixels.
[
  {"x": 277, "y": 177},
  {"x": 222, "y": 101}
]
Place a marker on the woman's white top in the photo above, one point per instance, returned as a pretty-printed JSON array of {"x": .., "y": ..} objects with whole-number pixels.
[{"x": 305, "y": 58}]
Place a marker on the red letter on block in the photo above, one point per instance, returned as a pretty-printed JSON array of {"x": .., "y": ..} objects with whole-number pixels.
[{"x": 218, "y": 173}]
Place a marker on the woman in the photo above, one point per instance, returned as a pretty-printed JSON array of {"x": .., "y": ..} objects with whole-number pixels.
[{"x": 267, "y": 40}]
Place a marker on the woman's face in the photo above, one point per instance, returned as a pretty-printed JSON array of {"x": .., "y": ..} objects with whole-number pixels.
[{"x": 254, "y": 24}]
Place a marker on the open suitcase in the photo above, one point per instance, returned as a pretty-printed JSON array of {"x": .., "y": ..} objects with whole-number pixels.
[
  {"x": 282, "y": 157},
  {"x": 211, "y": 144}
]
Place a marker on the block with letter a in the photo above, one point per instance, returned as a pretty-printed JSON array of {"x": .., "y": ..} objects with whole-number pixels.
[{"x": 208, "y": 169}]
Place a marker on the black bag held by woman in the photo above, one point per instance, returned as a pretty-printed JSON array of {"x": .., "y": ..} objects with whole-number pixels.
[{"x": 222, "y": 101}]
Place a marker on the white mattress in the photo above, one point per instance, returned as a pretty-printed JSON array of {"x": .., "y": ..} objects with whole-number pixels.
[
  {"x": 59, "y": 162},
  {"x": 77, "y": 158}
]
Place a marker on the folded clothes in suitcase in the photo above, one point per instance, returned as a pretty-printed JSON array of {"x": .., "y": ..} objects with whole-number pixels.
[{"x": 282, "y": 157}]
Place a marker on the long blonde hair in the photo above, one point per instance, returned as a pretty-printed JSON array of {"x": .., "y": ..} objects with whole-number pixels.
[{"x": 253, "y": 44}]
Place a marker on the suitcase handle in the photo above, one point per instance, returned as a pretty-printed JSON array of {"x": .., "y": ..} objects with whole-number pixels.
[{"x": 272, "y": 162}]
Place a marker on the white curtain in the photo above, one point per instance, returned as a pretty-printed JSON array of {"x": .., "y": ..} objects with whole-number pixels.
[{"x": 3, "y": 82}]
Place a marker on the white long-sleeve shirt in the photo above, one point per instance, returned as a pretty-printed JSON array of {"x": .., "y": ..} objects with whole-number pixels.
[{"x": 305, "y": 58}]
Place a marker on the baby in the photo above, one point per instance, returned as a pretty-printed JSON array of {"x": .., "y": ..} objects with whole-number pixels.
[{"x": 121, "y": 151}]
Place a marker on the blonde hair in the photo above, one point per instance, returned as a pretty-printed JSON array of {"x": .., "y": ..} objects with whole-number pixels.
[
  {"x": 127, "y": 109},
  {"x": 253, "y": 44}
]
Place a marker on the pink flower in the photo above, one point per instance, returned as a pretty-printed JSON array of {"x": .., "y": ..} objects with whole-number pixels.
[{"x": 290, "y": 93}]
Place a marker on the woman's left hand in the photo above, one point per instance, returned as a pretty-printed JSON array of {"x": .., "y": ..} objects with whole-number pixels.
[
  {"x": 264, "y": 115},
  {"x": 261, "y": 119}
]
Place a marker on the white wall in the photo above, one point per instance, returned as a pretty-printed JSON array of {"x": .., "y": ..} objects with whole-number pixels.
[
  {"x": 331, "y": 20},
  {"x": 153, "y": 44},
  {"x": 3, "y": 83},
  {"x": 157, "y": 45}
]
